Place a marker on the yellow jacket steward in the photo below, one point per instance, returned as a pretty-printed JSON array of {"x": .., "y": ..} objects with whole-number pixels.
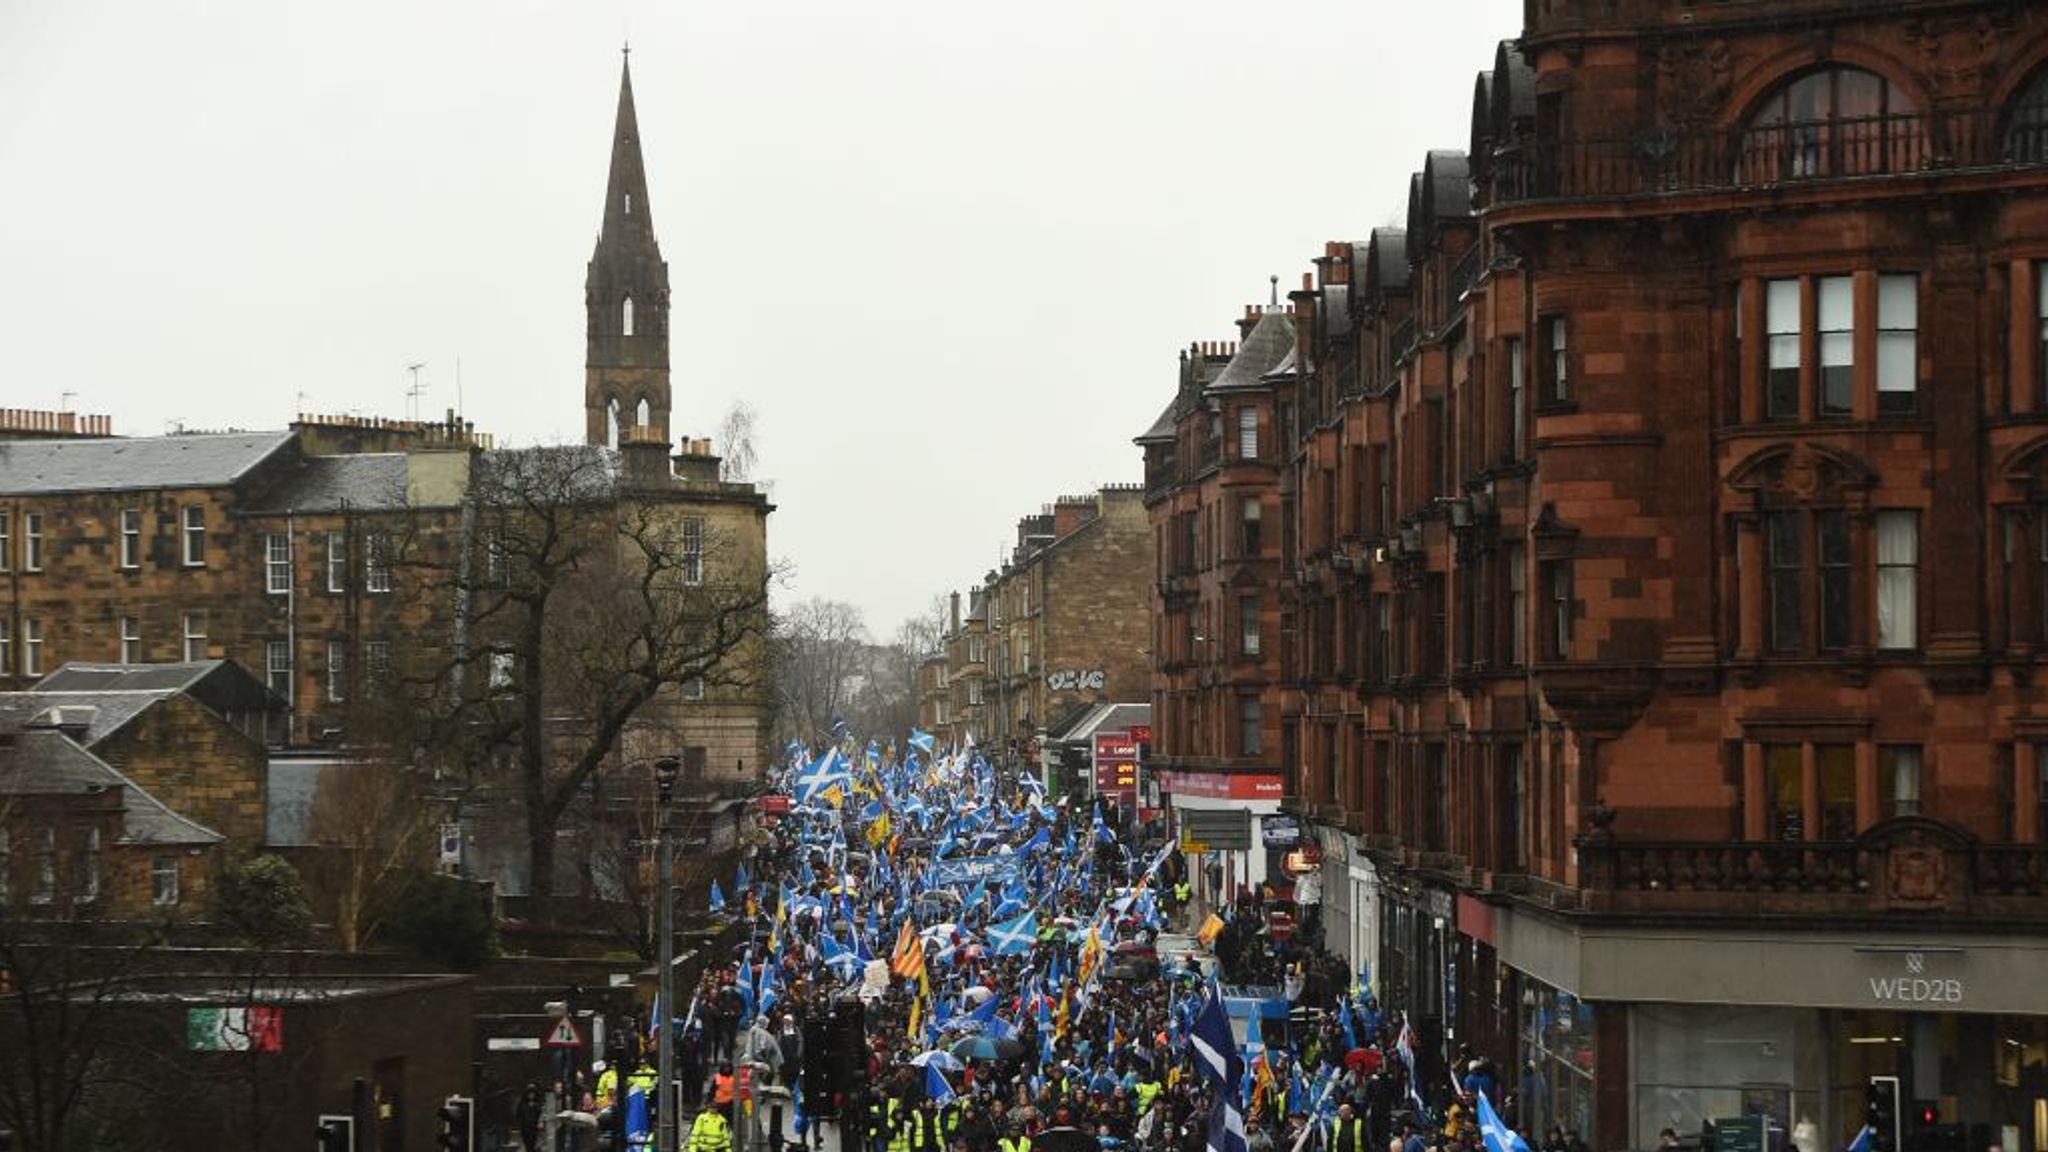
[{"x": 710, "y": 1133}]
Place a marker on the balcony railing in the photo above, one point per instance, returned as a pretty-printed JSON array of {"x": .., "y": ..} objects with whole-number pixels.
[
  {"x": 1674, "y": 160},
  {"x": 1909, "y": 863}
]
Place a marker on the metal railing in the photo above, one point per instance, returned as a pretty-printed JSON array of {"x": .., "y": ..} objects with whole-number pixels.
[{"x": 1670, "y": 160}]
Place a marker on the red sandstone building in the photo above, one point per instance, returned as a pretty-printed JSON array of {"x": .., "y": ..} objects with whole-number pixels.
[{"x": 1665, "y": 572}]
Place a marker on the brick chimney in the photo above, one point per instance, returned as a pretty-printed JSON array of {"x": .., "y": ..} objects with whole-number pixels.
[
  {"x": 696, "y": 461},
  {"x": 643, "y": 453},
  {"x": 1070, "y": 512}
]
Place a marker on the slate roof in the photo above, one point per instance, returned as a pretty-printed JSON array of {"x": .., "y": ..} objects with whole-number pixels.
[
  {"x": 46, "y": 763},
  {"x": 196, "y": 461},
  {"x": 370, "y": 480},
  {"x": 111, "y": 695},
  {"x": 1271, "y": 341},
  {"x": 1161, "y": 431},
  {"x": 1103, "y": 718}
]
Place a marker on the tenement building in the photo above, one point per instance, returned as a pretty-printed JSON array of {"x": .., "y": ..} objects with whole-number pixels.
[
  {"x": 1664, "y": 551},
  {"x": 1057, "y": 629},
  {"x": 1213, "y": 471}
]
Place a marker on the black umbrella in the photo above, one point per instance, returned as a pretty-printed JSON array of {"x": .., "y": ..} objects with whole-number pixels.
[{"x": 1064, "y": 1139}]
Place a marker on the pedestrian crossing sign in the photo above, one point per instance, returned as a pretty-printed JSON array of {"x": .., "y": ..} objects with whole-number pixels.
[{"x": 564, "y": 1035}]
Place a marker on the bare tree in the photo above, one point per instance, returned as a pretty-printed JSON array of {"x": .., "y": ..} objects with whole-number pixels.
[
  {"x": 580, "y": 600},
  {"x": 736, "y": 454},
  {"x": 373, "y": 823},
  {"x": 821, "y": 656}
]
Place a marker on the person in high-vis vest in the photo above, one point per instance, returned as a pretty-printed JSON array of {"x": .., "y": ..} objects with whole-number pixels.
[
  {"x": 1148, "y": 1088},
  {"x": 898, "y": 1124},
  {"x": 709, "y": 1132},
  {"x": 927, "y": 1128},
  {"x": 1013, "y": 1140},
  {"x": 607, "y": 1085},
  {"x": 722, "y": 1085}
]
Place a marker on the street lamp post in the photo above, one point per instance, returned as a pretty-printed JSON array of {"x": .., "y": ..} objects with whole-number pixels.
[{"x": 665, "y": 1098}]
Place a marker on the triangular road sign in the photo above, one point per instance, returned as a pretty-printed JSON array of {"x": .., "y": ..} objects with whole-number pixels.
[{"x": 564, "y": 1035}]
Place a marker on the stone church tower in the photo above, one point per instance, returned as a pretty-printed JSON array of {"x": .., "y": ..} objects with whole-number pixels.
[{"x": 625, "y": 294}]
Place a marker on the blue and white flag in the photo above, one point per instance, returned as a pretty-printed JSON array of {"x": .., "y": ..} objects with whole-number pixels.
[
  {"x": 1501, "y": 1138},
  {"x": 1226, "y": 1125},
  {"x": 921, "y": 740},
  {"x": 1214, "y": 1044},
  {"x": 935, "y": 1085},
  {"x": 717, "y": 898},
  {"x": 1016, "y": 937},
  {"x": 1863, "y": 1142}
]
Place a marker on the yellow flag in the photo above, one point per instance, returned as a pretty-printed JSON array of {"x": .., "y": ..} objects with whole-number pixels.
[
  {"x": 1210, "y": 928},
  {"x": 916, "y": 1018}
]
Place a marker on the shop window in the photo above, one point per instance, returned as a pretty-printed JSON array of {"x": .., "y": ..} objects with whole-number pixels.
[
  {"x": 1898, "y": 573},
  {"x": 1898, "y": 780}
]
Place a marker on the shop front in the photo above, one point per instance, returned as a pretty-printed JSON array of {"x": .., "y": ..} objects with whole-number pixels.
[
  {"x": 1217, "y": 817},
  {"x": 1624, "y": 1032},
  {"x": 1417, "y": 973}
]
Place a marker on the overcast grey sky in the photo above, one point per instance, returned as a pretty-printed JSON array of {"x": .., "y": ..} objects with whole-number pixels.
[{"x": 948, "y": 249}]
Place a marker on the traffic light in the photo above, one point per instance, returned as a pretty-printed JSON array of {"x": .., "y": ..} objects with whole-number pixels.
[
  {"x": 458, "y": 1124},
  {"x": 1881, "y": 1112},
  {"x": 336, "y": 1134}
]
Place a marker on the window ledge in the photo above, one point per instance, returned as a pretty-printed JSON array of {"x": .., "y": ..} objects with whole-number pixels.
[{"x": 1566, "y": 407}]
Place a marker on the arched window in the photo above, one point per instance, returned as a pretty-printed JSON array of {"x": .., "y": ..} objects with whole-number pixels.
[
  {"x": 644, "y": 418},
  {"x": 629, "y": 203},
  {"x": 628, "y": 317},
  {"x": 611, "y": 422},
  {"x": 2026, "y": 134},
  {"x": 1838, "y": 121}
]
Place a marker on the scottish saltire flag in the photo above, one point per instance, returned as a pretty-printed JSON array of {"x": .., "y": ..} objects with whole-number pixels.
[
  {"x": 823, "y": 780},
  {"x": 1214, "y": 1045},
  {"x": 1862, "y": 1143},
  {"x": 921, "y": 740},
  {"x": 1404, "y": 1047},
  {"x": 1016, "y": 937},
  {"x": 1350, "y": 1031},
  {"x": 1501, "y": 1138},
  {"x": 1226, "y": 1125},
  {"x": 717, "y": 898},
  {"x": 740, "y": 882},
  {"x": 936, "y": 1087}
]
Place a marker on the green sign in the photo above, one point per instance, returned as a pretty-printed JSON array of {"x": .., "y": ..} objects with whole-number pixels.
[{"x": 1740, "y": 1134}]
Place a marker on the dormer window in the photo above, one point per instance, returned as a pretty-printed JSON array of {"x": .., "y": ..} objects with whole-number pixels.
[
  {"x": 1833, "y": 122},
  {"x": 628, "y": 317},
  {"x": 2026, "y": 133}
]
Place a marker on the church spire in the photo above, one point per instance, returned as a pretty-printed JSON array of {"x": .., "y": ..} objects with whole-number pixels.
[{"x": 626, "y": 381}]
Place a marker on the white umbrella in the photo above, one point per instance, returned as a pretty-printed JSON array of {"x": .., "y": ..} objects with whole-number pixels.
[
  {"x": 946, "y": 1061},
  {"x": 977, "y": 995}
]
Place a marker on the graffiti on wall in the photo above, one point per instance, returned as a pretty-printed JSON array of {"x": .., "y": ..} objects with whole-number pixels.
[{"x": 1074, "y": 679}]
